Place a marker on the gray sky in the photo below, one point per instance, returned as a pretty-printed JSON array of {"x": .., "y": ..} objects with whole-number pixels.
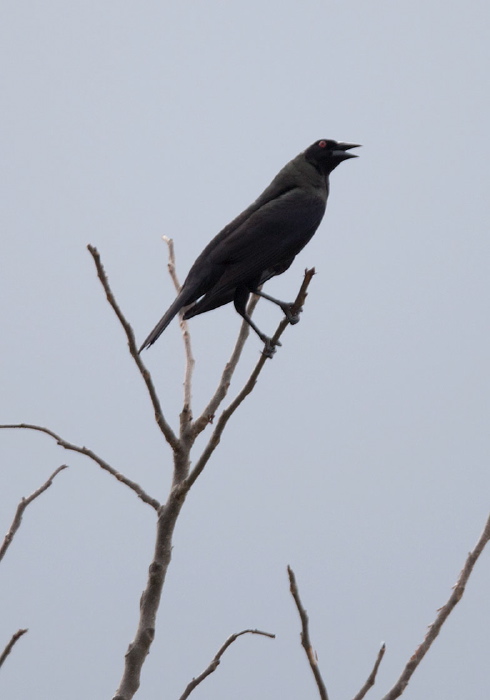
[{"x": 362, "y": 457}]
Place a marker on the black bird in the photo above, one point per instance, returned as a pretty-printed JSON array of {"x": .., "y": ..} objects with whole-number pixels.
[{"x": 262, "y": 241}]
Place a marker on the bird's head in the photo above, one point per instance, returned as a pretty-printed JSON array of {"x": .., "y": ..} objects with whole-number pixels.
[{"x": 327, "y": 154}]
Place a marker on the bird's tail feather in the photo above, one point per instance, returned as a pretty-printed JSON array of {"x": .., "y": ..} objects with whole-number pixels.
[{"x": 178, "y": 304}]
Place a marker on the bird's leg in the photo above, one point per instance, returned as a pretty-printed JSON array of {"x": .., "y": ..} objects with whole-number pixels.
[
  {"x": 240, "y": 302},
  {"x": 284, "y": 305}
]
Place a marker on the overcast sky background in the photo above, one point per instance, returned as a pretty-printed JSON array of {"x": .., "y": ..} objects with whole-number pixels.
[{"x": 362, "y": 457}]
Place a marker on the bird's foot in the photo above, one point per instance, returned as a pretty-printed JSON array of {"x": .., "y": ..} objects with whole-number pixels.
[
  {"x": 293, "y": 318},
  {"x": 269, "y": 347}
]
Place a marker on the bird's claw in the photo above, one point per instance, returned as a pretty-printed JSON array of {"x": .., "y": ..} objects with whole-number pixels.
[
  {"x": 293, "y": 318},
  {"x": 270, "y": 347}
]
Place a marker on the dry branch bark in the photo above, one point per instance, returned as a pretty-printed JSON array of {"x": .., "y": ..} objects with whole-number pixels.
[
  {"x": 305, "y": 636},
  {"x": 20, "y": 512},
  {"x": 95, "y": 458},
  {"x": 167, "y": 431},
  {"x": 372, "y": 676},
  {"x": 150, "y": 599},
  {"x": 186, "y": 415},
  {"x": 247, "y": 389},
  {"x": 442, "y": 616},
  {"x": 209, "y": 412},
  {"x": 216, "y": 661},
  {"x": 168, "y": 514},
  {"x": 13, "y": 640}
]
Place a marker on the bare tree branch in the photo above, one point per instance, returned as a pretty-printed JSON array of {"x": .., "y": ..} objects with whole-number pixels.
[
  {"x": 167, "y": 431},
  {"x": 167, "y": 517},
  {"x": 21, "y": 508},
  {"x": 182, "y": 480},
  {"x": 372, "y": 676},
  {"x": 186, "y": 415},
  {"x": 442, "y": 616},
  {"x": 247, "y": 389},
  {"x": 305, "y": 636},
  {"x": 216, "y": 661},
  {"x": 150, "y": 599},
  {"x": 89, "y": 453},
  {"x": 15, "y": 637},
  {"x": 209, "y": 412}
]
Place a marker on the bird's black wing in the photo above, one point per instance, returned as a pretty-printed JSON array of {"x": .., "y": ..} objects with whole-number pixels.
[
  {"x": 270, "y": 237},
  {"x": 214, "y": 300}
]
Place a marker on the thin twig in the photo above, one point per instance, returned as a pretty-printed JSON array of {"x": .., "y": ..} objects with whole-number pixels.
[
  {"x": 209, "y": 412},
  {"x": 372, "y": 676},
  {"x": 167, "y": 431},
  {"x": 21, "y": 508},
  {"x": 247, "y": 389},
  {"x": 305, "y": 636},
  {"x": 189, "y": 358},
  {"x": 171, "y": 263},
  {"x": 89, "y": 453},
  {"x": 216, "y": 661},
  {"x": 15, "y": 638},
  {"x": 442, "y": 616}
]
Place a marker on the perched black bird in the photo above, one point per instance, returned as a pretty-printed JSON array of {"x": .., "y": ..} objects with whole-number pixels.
[{"x": 262, "y": 241}]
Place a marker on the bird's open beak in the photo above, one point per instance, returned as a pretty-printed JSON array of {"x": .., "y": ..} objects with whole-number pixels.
[{"x": 341, "y": 150}]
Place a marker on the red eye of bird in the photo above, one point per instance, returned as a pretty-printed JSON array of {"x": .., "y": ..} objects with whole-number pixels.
[{"x": 322, "y": 144}]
